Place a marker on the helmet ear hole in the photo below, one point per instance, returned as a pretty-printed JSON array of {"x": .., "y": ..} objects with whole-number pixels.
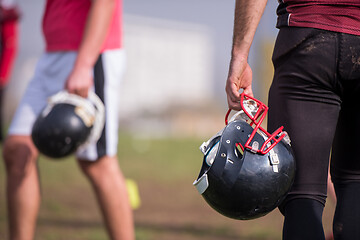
[{"x": 239, "y": 150}]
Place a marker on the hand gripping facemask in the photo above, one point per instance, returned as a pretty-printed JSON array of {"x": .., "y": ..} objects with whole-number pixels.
[
  {"x": 67, "y": 123},
  {"x": 246, "y": 171}
]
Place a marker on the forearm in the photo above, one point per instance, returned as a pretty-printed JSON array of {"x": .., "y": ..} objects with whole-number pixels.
[
  {"x": 247, "y": 18},
  {"x": 97, "y": 26}
]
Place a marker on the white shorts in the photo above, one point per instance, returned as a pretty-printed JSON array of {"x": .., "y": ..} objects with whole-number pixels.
[{"x": 50, "y": 75}]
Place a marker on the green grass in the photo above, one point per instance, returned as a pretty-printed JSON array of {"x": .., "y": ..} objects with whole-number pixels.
[
  {"x": 63, "y": 213},
  {"x": 168, "y": 159},
  {"x": 171, "y": 209}
]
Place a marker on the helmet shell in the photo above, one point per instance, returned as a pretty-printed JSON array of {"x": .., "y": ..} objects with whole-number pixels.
[
  {"x": 59, "y": 131},
  {"x": 246, "y": 185}
]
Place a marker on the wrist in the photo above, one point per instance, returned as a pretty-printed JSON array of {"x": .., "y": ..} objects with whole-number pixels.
[
  {"x": 240, "y": 52},
  {"x": 83, "y": 64},
  {"x": 238, "y": 59}
]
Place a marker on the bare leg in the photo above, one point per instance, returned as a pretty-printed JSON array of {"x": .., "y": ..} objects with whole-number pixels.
[
  {"x": 330, "y": 189},
  {"x": 332, "y": 196},
  {"x": 110, "y": 188},
  {"x": 22, "y": 186}
]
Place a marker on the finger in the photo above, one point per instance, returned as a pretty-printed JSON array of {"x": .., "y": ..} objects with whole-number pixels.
[
  {"x": 248, "y": 91},
  {"x": 234, "y": 103},
  {"x": 82, "y": 93},
  {"x": 232, "y": 99}
]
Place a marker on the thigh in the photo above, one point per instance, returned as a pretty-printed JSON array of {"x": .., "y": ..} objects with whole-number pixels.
[
  {"x": 303, "y": 99},
  {"x": 345, "y": 161}
]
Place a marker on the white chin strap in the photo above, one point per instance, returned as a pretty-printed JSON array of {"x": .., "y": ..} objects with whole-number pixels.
[{"x": 92, "y": 106}]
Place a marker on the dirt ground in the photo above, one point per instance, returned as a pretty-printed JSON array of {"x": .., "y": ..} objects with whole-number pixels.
[
  {"x": 171, "y": 208},
  {"x": 173, "y": 211},
  {"x": 179, "y": 212}
]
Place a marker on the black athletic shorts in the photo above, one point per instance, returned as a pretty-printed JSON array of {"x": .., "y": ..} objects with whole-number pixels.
[{"x": 315, "y": 95}]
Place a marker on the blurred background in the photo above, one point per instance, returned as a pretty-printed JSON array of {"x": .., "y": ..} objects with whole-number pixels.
[
  {"x": 172, "y": 99},
  {"x": 177, "y": 60}
]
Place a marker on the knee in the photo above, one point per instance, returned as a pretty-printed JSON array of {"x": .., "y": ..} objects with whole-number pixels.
[
  {"x": 19, "y": 155},
  {"x": 294, "y": 199},
  {"x": 103, "y": 168}
]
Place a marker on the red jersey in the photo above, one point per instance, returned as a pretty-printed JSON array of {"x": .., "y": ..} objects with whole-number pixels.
[
  {"x": 64, "y": 23},
  {"x": 9, "y": 15},
  {"x": 333, "y": 15}
]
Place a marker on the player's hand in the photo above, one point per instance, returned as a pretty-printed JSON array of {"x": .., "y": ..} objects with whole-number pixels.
[
  {"x": 80, "y": 81},
  {"x": 239, "y": 78}
]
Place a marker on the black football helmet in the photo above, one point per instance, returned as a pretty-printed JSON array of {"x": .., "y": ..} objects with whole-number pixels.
[
  {"x": 67, "y": 123},
  {"x": 246, "y": 171}
]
